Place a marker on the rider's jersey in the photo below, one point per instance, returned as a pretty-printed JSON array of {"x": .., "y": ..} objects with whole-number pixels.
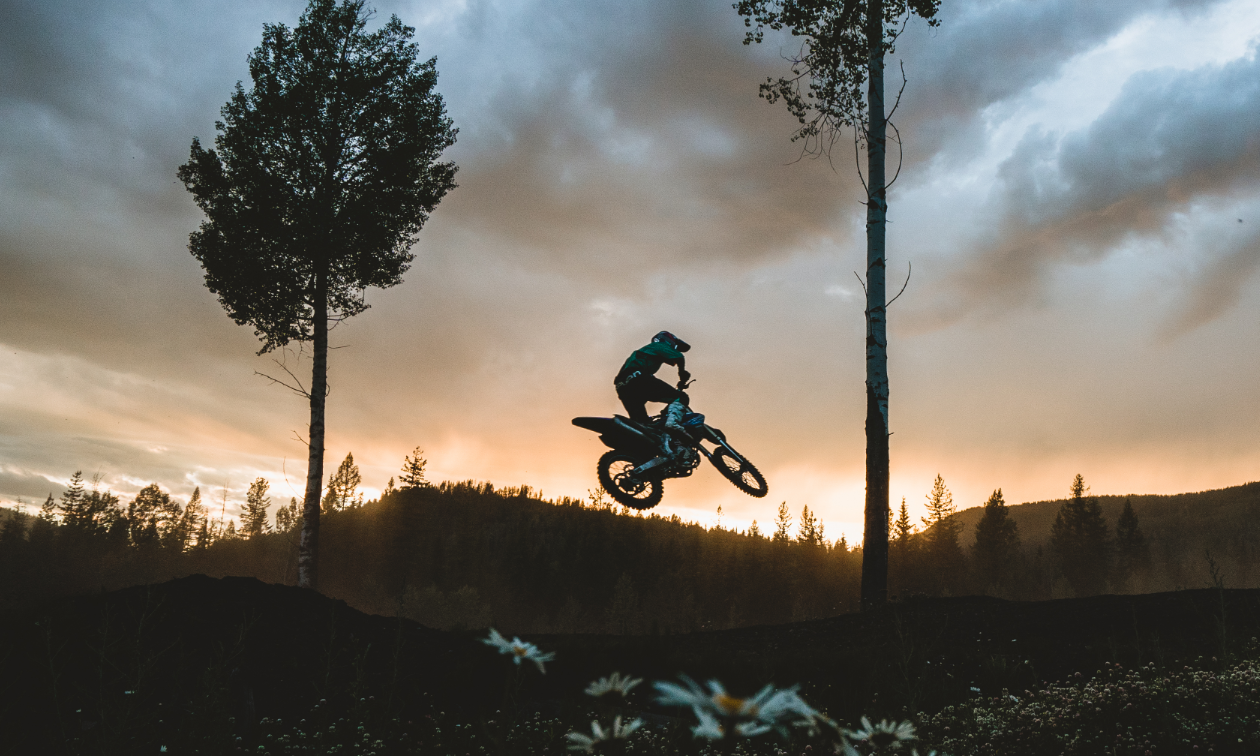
[{"x": 650, "y": 358}]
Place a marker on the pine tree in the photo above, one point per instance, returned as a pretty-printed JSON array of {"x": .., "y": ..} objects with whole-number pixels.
[
  {"x": 287, "y": 517},
  {"x": 182, "y": 525},
  {"x": 996, "y": 546},
  {"x": 782, "y": 523},
  {"x": 342, "y": 485},
  {"x": 754, "y": 531},
  {"x": 1133, "y": 554},
  {"x": 902, "y": 528},
  {"x": 903, "y": 575},
  {"x": 204, "y": 535},
  {"x": 254, "y": 517},
  {"x": 1080, "y": 541},
  {"x": 48, "y": 511},
  {"x": 413, "y": 471},
  {"x": 71, "y": 505},
  {"x": 13, "y": 534},
  {"x": 193, "y": 521},
  {"x": 809, "y": 532},
  {"x": 946, "y": 561}
]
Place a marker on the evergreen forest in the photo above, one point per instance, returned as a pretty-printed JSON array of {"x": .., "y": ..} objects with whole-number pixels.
[{"x": 464, "y": 555}]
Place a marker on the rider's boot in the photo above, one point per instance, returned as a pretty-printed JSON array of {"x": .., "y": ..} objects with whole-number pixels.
[{"x": 673, "y": 429}]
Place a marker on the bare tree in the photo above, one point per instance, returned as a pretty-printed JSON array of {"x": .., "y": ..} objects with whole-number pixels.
[{"x": 843, "y": 47}]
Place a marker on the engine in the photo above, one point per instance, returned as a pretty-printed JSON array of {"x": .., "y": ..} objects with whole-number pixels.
[{"x": 686, "y": 460}]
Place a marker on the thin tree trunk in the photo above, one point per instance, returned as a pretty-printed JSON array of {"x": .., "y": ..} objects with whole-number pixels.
[
  {"x": 308, "y": 548},
  {"x": 875, "y": 534}
]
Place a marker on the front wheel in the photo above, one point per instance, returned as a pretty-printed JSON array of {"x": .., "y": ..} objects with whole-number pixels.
[
  {"x": 636, "y": 493},
  {"x": 740, "y": 472}
]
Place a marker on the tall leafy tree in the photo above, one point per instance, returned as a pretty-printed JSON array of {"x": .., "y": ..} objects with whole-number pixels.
[
  {"x": 149, "y": 515},
  {"x": 321, "y": 177},
  {"x": 837, "y": 84},
  {"x": 1081, "y": 542},
  {"x": 997, "y": 544}
]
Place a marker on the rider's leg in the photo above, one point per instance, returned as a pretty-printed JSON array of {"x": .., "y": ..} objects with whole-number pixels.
[
  {"x": 634, "y": 402},
  {"x": 635, "y": 394}
]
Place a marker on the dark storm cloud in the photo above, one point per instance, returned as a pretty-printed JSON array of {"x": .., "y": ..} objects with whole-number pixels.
[
  {"x": 98, "y": 105},
  {"x": 1170, "y": 140},
  {"x": 988, "y": 52},
  {"x": 644, "y": 140}
]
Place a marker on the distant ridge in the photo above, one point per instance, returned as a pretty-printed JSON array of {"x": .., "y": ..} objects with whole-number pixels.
[{"x": 1224, "y": 520}]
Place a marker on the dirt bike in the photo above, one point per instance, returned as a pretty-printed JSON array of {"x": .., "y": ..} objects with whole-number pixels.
[{"x": 633, "y": 473}]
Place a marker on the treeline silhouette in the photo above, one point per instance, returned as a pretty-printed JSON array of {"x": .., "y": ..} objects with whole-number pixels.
[
  {"x": 451, "y": 555},
  {"x": 465, "y": 555}
]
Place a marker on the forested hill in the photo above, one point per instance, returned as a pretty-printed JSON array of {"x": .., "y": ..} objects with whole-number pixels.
[
  {"x": 1181, "y": 528},
  {"x": 467, "y": 555}
]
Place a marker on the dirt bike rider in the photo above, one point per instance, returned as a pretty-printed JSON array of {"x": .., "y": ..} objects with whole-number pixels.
[{"x": 637, "y": 384}]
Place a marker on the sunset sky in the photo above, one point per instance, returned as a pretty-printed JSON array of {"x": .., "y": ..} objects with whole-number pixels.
[{"x": 1080, "y": 201}]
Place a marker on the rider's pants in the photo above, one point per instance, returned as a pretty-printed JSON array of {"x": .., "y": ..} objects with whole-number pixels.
[{"x": 635, "y": 395}]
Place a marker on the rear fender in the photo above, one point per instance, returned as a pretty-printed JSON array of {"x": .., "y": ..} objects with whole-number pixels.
[{"x": 618, "y": 434}]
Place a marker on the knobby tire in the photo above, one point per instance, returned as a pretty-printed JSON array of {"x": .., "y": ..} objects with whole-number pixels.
[
  {"x": 741, "y": 473},
  {"x": 648, "y": 496}
]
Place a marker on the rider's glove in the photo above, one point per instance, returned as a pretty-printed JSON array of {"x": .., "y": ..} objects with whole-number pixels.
[{"x": 684, "y": 376}]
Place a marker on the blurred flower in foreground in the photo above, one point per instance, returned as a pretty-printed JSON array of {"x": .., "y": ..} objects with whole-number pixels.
[
  {"x": 614, "y": 683},
  {"x": 719, "y": 712},
  {"x": 588, "y": 743},
  {"x": 882, "y": 737},
  {"x": 518, "y": 649}
]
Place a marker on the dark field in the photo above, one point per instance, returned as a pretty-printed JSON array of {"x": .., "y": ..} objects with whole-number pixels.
[{"x": 196, "y": 663}]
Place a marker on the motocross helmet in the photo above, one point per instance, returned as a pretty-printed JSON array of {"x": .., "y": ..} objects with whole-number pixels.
[{"x": 670, "y": 339}]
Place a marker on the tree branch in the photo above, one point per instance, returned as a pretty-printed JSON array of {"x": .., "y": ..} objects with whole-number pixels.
[
  {"x": 901, "y": 153},
  {"x": 909, "y": 270},
  {"x": 300, "y": 390}
]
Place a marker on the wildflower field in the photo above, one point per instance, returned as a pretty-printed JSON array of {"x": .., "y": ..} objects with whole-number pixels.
[{"x": 210, "y": 666}]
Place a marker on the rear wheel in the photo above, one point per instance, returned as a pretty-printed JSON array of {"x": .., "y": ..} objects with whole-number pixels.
[
  {"x": 636, "y": 493},
  {"x": 740, "y": 472}
]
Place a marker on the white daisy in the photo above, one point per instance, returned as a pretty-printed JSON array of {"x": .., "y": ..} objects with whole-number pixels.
[
  {"x": 709, "y": 726},
  {"x": 614, "y": 683},
  {"x": 718, "y": 711},
  {"x": 518, "y": 649},
  {"x": 886, "y": 734},
  {"x": 587, "y": 743}
]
